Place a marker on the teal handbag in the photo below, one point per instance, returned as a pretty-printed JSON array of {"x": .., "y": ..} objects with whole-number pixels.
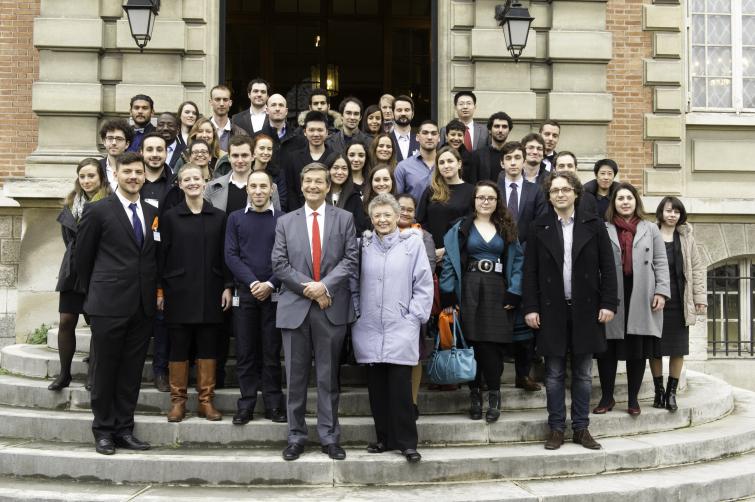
[{"x": 452, "y": 366}]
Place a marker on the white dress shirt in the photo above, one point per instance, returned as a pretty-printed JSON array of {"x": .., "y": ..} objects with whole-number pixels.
[
  {"x": 320, "y": 223},
  {"x": 139, "y": 213},
  {"x": 110, "y": 173},
  {"x": 403, "y": 143},
  {"x": 519, "y": 185},
  {"x": 567, "y": 230},
  {"x": 220, "y": 130},
  {"x": 171, "y": 149},
  {"x": 258, "y": 119}
]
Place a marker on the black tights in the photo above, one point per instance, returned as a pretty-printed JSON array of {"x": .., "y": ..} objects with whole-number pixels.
[
  {"x": 182, "y": 335},
  {"x": 67, "y": 341},
  {"x": 489, "y": 357},
  {"x": 607, "y": 372}
]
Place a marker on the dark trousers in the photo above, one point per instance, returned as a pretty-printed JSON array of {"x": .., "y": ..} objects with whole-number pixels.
[
  {"x": 258, "y": 352},
  {"x": 182, "y": 336},
  {"x": 524, "y": 351},
  {"x": 489, "y": 357},
  {"x": 223, "y": 341},
  {"x": 161, "y": 347},
  {"x": 120, "y": 345},
  {"x": 390, "y": 390}
]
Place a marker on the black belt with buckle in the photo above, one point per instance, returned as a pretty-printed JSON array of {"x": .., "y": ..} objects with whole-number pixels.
[{"x": 485, "y": 266}]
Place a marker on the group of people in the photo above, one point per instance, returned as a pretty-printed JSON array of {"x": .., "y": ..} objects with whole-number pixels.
[{"x": 351, "y": 226}]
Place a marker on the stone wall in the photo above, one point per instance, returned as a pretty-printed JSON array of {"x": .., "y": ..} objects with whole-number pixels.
[{"x": 10, "y": 242}]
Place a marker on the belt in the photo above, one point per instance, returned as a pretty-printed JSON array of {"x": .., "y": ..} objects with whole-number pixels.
[
  {"x": 485, "y": 266},
  {"x": 568, "y": 301}
]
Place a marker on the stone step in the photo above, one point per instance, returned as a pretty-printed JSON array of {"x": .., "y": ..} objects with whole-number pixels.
[
  {"x": 706, "y": 400},
  {"x": 726, "y": 479},
  {"x": 731, "y": 435}
]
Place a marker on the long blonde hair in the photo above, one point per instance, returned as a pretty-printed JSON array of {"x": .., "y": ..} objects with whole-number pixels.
[{"x": 438, "y": 185}]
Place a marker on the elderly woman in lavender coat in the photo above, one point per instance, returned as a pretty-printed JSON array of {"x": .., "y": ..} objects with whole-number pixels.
[{"x": 393, "y": 300}]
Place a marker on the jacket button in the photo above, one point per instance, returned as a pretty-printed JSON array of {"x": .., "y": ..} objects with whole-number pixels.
[
  {"x": 646, "y": 262},
  {"x": 647, "y": 249}
]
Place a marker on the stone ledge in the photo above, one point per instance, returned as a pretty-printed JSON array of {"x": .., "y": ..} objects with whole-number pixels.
[{"x": 36, "y": 188}]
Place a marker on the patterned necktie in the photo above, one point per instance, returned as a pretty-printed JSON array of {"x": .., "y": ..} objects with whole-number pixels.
[
  {"x": 316, "y": 251},
  {"x": 514, "y": 202},
  {"x": 467, "y": 140},
  {"x": 136, "y": 222}
]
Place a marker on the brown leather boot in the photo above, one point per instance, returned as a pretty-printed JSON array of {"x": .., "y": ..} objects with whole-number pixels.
[
  {"x": 179, "y": 378},
  {"x": 206, "y": 385}
]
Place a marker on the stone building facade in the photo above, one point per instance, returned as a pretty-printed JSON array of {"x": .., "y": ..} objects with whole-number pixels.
[{"x": 615, "y": 73}]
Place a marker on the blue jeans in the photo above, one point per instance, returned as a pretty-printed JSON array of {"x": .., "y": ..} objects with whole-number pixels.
[{"x": 555, "y": 391}]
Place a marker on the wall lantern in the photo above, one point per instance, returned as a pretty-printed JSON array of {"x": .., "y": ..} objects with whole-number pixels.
[
  {"x": 515, "y": 21},
  {"x": 141, "y": 19}
]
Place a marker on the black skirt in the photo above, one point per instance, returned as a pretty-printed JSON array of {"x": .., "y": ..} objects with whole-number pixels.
[
  {"x": 483, "y": 318},
  {"x": 71, "y": 302},
  {"x": 675, "y": 339}
]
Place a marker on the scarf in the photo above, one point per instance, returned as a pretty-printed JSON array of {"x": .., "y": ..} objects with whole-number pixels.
[
  {"x": 626, "y": 230},
  {"x": 80, "y": 200}
]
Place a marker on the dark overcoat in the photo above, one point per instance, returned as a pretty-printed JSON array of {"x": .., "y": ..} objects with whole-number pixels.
[
  {"x": 192, "y": 267},
  {"x": 67, "y": 278},
  {"x": 593, "y": 283}
]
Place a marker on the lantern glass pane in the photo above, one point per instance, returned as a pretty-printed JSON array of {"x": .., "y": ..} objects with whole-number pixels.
[
  {"x": 519, "y": 29},
  {"x": 139, "y": 21}
]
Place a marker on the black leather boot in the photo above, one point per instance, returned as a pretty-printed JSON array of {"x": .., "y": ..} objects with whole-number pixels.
[
  {"x": 475, "y": 404},
  {"x": 671, "y": 394},
  {"x": 660, "y": 396},
  {"x": 494, "y": 405}
]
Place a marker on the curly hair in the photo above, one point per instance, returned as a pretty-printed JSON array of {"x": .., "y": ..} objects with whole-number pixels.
[{"x": 501, "y": 218}]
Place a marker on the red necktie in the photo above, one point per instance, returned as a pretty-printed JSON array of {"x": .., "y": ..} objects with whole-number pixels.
[
  {"x": 316, "y": 251},
  {"x": 467, "y": 140}
]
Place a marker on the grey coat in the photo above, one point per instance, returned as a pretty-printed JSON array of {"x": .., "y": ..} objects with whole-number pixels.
[
  {"x": 216, "y": 192},
  {"x": 650, "y": 277}
]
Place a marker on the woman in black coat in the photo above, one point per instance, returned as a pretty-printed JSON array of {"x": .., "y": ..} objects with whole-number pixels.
[
  {"x": 196, "y": 288},
  {"x": 90, "y": 186}
]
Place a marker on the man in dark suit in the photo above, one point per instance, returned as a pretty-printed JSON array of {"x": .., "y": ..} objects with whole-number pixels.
[
  {"x": 253, "y": 120},
  {"x": 487, "y": 161},
  {"x": 525, "y": 202},
  {"x": 315, "y": 150},
  {"x": 276, "y": 125},
  {"x": 475, "y": 135},
  {"x": 351, "y": 109},
  {"x": 116, "y": 263},
  {"x": 116, "y": 135},
  {"x": 314, "y": 255},
  {"x": 141, "y": 109},
  {"x": 404, "y": 142},
  {"x": 569, "y": 294},
  {"x": 550, "y": 130},
  {"x": 167, "y": 127}
]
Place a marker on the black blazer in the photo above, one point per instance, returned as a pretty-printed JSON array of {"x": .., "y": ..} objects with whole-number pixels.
[
  {"x": 67, "y": 278},
  {"x": 531, "y": 205},
  {"x": 191, "y": 264},
  {"x": 413, "y": 145},
  {"x": 177, "y": 154},
  {"x": 119, "y": 277},
  {"x": 292, "y": 163},
  {"x": 244, "y": 120}
]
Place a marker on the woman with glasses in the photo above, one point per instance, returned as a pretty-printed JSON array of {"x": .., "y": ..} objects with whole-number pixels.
[
  {"x": 482, "y": 276},
  {"x": 199, "y": 155},
  {"x": 188, "y": 113},
  {"x": 446, "y": 199},
  {"x": 204, "y": 130}
]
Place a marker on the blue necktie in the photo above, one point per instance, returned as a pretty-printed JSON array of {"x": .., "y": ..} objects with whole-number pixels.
[
  {"x": 513, "y": 205},
  {"x": 136, "y": 222}
]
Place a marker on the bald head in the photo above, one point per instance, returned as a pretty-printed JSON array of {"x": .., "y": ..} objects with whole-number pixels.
[{"x": 277, "y": 109}]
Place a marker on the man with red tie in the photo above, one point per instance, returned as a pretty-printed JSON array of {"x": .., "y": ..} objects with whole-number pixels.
[{"x": 314, "y": 255}]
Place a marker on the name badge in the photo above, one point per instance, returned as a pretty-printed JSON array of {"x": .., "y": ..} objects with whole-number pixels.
[
  {"x": 275, "y": 296},
  {"x": 156, "y": 236},
  {"x": 499, "y": 267},
  {"x": 235, "y": 301}
]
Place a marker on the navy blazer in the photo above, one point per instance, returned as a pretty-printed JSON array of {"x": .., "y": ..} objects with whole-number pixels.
[{"x": 413, "y": 145}]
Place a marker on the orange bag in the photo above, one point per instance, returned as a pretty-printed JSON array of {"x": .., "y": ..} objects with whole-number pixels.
[{"x": 445, "y": 327}]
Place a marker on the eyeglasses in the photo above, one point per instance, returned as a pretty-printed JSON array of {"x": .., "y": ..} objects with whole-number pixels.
[
  {"x": 114, "y": 139},
  {"x": 565, "y": 191},
  {"x": 485, "y": 200},
  {"x": 200, "y": 152}
]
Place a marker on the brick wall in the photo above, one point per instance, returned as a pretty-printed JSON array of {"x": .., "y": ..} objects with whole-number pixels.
[
  {"x": 631, "y": 99},
  {"x": 19, "y": 67}
]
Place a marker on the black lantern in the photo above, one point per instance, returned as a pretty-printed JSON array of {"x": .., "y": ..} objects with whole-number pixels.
[
  {"x": 141, "y": 19},
  {"x": 515, "y": 21}
]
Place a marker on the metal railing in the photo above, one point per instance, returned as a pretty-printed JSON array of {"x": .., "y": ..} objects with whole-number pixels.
[{"x": 731, "y": 296}]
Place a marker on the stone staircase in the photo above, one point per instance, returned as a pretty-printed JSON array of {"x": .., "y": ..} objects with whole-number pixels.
[{"x": 704, "y": 451}]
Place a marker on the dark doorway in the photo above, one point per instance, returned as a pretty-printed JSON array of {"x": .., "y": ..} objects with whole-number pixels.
[{"x": 354, "y": 47}]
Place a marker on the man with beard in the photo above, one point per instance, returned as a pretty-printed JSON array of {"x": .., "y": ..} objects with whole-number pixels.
[
  {"x": 351, "y": 111},
  {"x": 167, "y": 127},
  {"x": 116, "y": 135},
  {"x": 534, "y": 147},
  {"x": 404, "y": 142},
  {"x": 141, "y": 109},
  {"x": 413, "y": 174},
  {"x": 254, "y": 119},
  {"x": 487, "y": 160},
  {"x": 551, "y": 133}
]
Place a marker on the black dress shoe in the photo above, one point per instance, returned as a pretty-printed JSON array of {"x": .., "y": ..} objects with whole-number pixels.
[
  {"x": 104, "y": 446},
  {"x": 334, "y": 451},
  {"x": 293, "y": 451},
  {"x": 130, "y": 442},
  {"x": 277, "y": 415},
  {"x": 412, "y": 456},
  {"x": 378, "y": 447},
  {"x": 61, "y": 382},
  {"x": 243, "y": 417},
  {"x": 161, "y": 382}
]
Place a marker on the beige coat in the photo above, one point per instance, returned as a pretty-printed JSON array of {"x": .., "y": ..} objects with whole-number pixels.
[{"x": 695, "y": 289}]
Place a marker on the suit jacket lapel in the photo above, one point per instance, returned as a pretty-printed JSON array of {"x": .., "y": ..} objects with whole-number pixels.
[
  {"x": 553, "y": 242},
  {"x": 330, "y": 215},
  {"x": 149, "y": 216},
  {"x": 582, "y": 235},
  {"x": 301, "y": 229},
  {"x": 120, "y": 215}
]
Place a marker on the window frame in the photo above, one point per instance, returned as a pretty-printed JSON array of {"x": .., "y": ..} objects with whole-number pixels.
[{"x": 746, "y": 323}]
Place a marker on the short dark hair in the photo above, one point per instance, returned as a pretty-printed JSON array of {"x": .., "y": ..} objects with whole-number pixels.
[
  {"x": 315, "y": 116},
  {"x": 428, "y": 121},
  {"x": 258, "y": 80},
  {"x": 549, "y": 122},
  {"x": 350, "y": 99},
  {"x": 240, "y": 139},
  {"x": 675, "y": 204},
  {"x": 639, "y": 209},
  {"x": 128, "y": 158},
  {"x": 403, "y": 97},
  {"x": 221, "y": 87},
  {"x": 142, "y": 97},
  {"x": 117, "y": 125},
  {"x": 511, "y": 146},
  {"x": 533, "y": 136},
  {"x": 465, "y": 93},
  {"x": 319, "y": 91},
  {"x": 606, "y": 162},
  {"x": 407, "y": 195},
  {"x": 263, "y": 171},
  {"x": 173, "y": 115},
  {"x": 570, "y": 178},
  {"x": 564, "y": 153},
  {"x": 149, "y": 135},
  {"x": 500, "y": 116},
  {"x": 455, "y": 125},
  {"x": 198, "y": 141}
]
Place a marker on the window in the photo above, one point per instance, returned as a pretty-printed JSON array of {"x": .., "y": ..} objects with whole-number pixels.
[
  {"x": 731, "y": 298},
  {"x": 722, "y": 55}
]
